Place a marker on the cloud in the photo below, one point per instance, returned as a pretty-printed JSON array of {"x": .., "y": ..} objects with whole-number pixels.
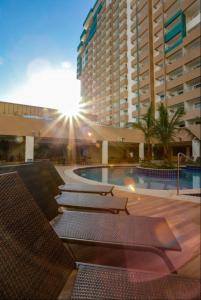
[
  {"x": 48, "y": 85},
  {"x": 1, "y": 60}
]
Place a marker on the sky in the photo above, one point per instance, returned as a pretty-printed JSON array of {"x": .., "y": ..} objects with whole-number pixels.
[{"x": 38, "y": 42}]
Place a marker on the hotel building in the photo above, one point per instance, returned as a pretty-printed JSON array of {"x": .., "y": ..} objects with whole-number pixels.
[{"x": 134, "y": 52}]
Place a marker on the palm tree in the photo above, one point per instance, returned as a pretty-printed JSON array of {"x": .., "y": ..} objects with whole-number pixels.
[
  {"x": 166, "y": 127},
  {"x": 146, "y": 125}
]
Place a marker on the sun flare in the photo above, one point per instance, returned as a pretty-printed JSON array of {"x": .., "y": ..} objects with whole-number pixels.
[
  {"x": 51, "y": 86},
  {"x": 72, "y": 110}
]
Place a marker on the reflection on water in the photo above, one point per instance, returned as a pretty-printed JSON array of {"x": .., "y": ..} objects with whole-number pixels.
[
  {"x": 196, "y": 181},
  {"x": 105, "y": 175},
  {"x": 128, "y": 176}
]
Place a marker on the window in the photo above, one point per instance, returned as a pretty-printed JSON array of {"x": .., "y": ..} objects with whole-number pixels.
[
  {"x": 196, "y": 86},
  {"x": 197, "y": 105},
  {"x": 182, "y": 124}
]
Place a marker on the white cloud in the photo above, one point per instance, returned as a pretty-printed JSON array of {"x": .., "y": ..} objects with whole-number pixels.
[
  {"x": 1, "y": 60},
  {"x": 48, "y": 86}
]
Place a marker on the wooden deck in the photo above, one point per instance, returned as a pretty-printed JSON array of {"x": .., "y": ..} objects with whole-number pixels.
[{"x": 183, "y": 218}]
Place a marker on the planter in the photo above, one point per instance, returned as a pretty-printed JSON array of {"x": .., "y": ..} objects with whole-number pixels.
[{"x": 162, "y": 173}]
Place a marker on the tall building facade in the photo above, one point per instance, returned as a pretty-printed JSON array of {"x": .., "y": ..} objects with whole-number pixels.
[
  {"x": 102, "y": 62},
  {"x": 134, "y": 52}
]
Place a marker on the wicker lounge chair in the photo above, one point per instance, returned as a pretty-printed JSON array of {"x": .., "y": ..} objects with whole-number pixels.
[
  {"x": 87, "y": 188},
  {"x": 42, "y": 179},
  {"x": 92, "y": 202},
  {"x": 34, "y": 264},
  {"x": 106, "y": 230}
]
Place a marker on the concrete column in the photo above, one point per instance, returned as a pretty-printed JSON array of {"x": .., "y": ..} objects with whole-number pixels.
[
  {"x": 105, "y": 152},
  {"x": 141, "y": 150},
  {"x": 195, "y": 148},
  {"x": 29, "y": 148},
  {"x": 188, "y": 153}
]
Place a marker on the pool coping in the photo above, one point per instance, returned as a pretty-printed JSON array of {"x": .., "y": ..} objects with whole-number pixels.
[{"x": 171, "y": 194}]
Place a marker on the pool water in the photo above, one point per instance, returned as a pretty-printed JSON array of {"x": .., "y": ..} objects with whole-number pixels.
[{"x": 124, "y": 176}]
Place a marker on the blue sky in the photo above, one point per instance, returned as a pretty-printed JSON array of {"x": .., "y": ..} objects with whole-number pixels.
[{"x": 37, "y": 35}]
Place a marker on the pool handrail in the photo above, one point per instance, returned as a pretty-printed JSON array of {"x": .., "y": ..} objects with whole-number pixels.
[{"x": 178, "y": 167}]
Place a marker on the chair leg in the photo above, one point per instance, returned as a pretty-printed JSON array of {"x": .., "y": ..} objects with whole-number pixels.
[
  {"x": 70, "y": 251},
  {"x": 127, "y": 212},
  {"x": 159, "y": 252},
  {"x": 166, "y": 259}
]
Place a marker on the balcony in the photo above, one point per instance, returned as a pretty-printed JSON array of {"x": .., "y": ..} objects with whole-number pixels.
[
  {"x": 156, "y": 2},
  {"x": 144, "y": 68},
  {"x": 195, "y": 33},
  {"x": 193, "y": 114},
  {"x": 144, "y": 96},
  {"x": 142, "y": 15},
  {"x": 124, "y": 106},
  {"x": 134, "y": 74},
  {"x": 133, "y": 51},
  {"x": 168, "y": 4},
  {"x": 143, "y": 27},
  {"x": 123, "y": 37},
  {"x": 133, "y": 28},
  {"x": 143, "y": 54},
  {"x": 160, "y": 88},
  {"x": 133, "y": 39},
  {"x": 122, "y": 16},
  {"x": 187, "y": 96},
  {"x": 133, "y": 15},
  {"x": 123, "y": 59},
  {"x": 193, "y": 22},
  {"x": 143, "y": 111},
  {"x": 174, "y": 61},
  {"x": 135, "y": 114},
  {"x": 144, "y": 82},
  {"x": 124, "y": 94},
  {"x": 123, "y": 49},
  {"x": 141, "y": 4},
  {"x": 158, "y": 42},
  {"x": 123, "y": 27},
  {"x": 124, "y": 118},
  {"x": 123, "y": 82},
  {"x": 135, "y": 100},
  {"x": 193, "y": 84},
  {"x": 134, "y": 87},
  {"x": 157, "y": 27},
  {"x": 122, "y": 5},
  {"x": 143, "y": 41},
  {"x": 187, "y": 3},
  {"x": 157, "y": 12},
  {"x": 159, "y": 73},
  {"x": 134, "y": 62},
  {"x": 192, "y": 74},
  {"x": 159, "y": 57}
]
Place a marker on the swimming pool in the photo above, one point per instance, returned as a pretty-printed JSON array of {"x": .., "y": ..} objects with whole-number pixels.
[{"x": 129, "y": 176}]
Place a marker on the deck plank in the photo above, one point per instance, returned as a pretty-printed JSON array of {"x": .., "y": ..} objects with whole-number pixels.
[{"x": 183, "y": 218}]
